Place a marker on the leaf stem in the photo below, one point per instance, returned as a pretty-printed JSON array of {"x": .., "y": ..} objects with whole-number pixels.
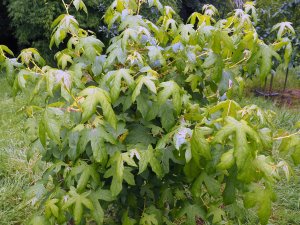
[
  {"x": 239, "y": 62},
  {"x": 66, "y": 6},
  {"x": 2, "y": 53},
  {"x": 139, "y": 7},
  {"x": 37, "y": 67},
  {"x": 287, "y": 136},
  {"x": 73, "y": 97}
]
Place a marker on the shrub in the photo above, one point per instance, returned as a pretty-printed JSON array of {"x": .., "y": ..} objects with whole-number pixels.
[{"x": 147, "y": 133}]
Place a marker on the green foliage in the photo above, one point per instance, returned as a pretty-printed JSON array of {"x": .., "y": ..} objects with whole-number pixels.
[
  {"x": 31, "y": 23},
  {"x": 275, "y": 11},
  {"x": 286, "y": 208},
  {"x": 141, "y": 134}
]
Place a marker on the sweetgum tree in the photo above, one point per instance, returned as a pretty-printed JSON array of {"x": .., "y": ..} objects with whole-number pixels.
[{"x": 146, "y": 133}]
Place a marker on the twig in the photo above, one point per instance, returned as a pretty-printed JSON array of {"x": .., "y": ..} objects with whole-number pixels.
[
  {"x": 66, "y": 6},
  {"x": 266, "y": 94},
  {"x": 283, "y": 137}
]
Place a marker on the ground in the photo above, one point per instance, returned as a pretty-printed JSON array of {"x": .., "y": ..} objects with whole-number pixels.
[{"x": 16, "y": 174}]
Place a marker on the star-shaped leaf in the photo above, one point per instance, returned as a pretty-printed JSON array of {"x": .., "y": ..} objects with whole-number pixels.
[
  {"x": 114, "y": 79},
  {"x": 143, "y": 80},
  {"x": 78, "y": 202},
  {"x": 170, "y": 89},
  {"x": 119, "y": 172},
  {"x": 89, "y": 46},
  {"x": 95, "y": 96},
  {"x": 267, "y": 53},
  {"x": 283, "y": 28},
  {"x": 262, "y": 197},
  {"x": 243, "y": 136},
  {"x": 149, "y": 157},
  {"x": 228, "y": 108},
  {"x": 98, "y": 137},
  {"x": 192, "y": 212}
]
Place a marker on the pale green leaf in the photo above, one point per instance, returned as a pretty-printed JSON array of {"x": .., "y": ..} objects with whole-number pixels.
[{"x": 95, "y": 96}]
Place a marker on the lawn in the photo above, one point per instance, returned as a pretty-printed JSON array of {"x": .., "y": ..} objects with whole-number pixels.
[
  {"x": 16, "y": 174},
  {"x": 287, "y": 208}
]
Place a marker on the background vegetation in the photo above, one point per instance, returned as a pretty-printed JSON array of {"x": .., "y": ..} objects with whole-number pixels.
[{"x": 23, "y": 25}]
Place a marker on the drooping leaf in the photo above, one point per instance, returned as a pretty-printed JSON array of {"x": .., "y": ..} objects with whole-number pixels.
[
  {"x": 291, "y": 144},
  {"x": 283, "y": 27},
  {"x": 52, "y": 208},
  {"x": 267, "y": 53},
  {"x": 228, "y": 108},
  {"x": 52, "y": 124},
  {"x": 262, "y": 197},
  {"x": 114, "y": 79},
  {"x": 119, "y": 172},
  {"x": 200, "y": 146},
  {"x": 143, "y": 80},
  {"x": 243, "y": 136},
  {"x": 98, "y": 137},
  {"x": 149, "y": 157},
  {"x": 170, "y": 89},
  {"x": 79, "y": 4},
  {"x": 78, "y": 202},
  {"x": 62, "y": 25},
  {"x": 95, "y": 96}
]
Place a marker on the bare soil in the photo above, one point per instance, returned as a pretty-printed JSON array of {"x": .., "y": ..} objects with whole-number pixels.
[{"x": 289, "y": 97}]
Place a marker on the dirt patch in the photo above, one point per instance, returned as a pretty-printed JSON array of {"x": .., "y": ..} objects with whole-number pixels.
[{"x": 289, "y": 97}]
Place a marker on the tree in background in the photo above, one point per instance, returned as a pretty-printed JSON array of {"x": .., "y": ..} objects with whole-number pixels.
[
  {"x": 6, "y": 36},
  {"x": 275, "y": 11},
  {"x": 30, "y": 24},
  {"x": 271, "y": 12}
]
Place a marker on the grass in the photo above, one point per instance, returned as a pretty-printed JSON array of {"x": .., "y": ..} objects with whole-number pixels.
[
  {"x": 279, "y": 78},
  {"x": 287, "y": 208},
  {"x": 286, "y": 117},
  {"x": 15, "y": 172}
]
